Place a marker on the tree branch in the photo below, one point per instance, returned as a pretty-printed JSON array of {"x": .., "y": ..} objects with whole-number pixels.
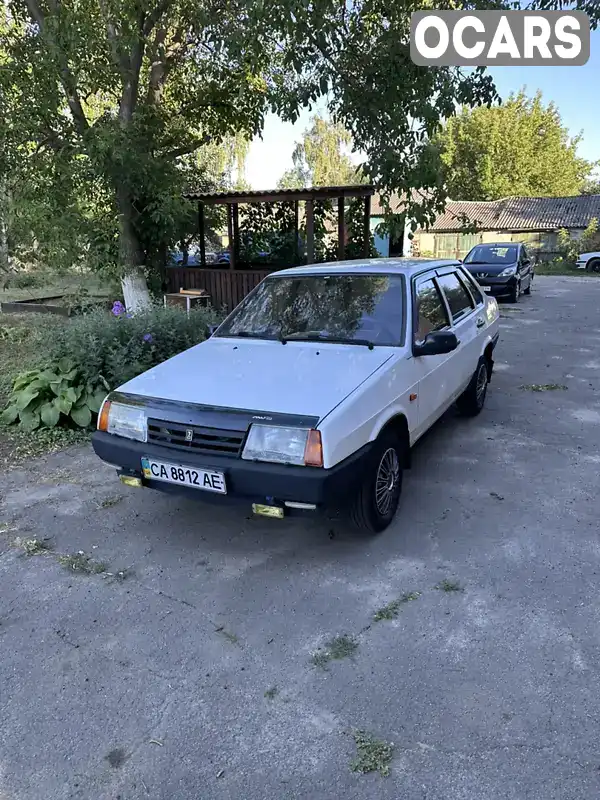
[
  {"x": 67, "y": 78},
  {"x": 111, "y": 34},
  {"x": 154, "y": 16},
  {"x": 186, "y": 150}
]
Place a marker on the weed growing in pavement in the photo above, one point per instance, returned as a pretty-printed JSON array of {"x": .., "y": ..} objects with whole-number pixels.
[
  {"x": 372, "y": 754},
  {"x": 544, "y": 387},
  {"x": 449, "y": 586},
  {"x": 334, "y": 650},
  {"x": 271, "y": 693},
  {"x": 80, "y": 562},
  {"x": 392, "y": 609},
  {"x": 33, "y": 547}
]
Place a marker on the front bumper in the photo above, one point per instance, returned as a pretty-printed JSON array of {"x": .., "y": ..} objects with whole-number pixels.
[
  {"x": 252, "y": 480},
  {"x": 499, "y": 287}
]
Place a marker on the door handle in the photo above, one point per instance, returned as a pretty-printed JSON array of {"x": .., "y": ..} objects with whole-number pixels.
[{"x": 480, "y": 322}]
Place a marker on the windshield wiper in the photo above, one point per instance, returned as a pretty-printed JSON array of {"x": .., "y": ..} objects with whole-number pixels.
[{"x": 316, "y": 337}]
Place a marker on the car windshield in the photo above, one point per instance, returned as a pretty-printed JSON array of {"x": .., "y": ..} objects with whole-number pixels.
[
  {"x": 492, "y": 254},
  {"x": 359, "y": 309}
]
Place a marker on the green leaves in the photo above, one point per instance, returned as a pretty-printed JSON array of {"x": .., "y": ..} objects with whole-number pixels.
[
  {"x": 53, "y": 396},
  {"x": 81, "y": 416},
  {"x": 519, "y": 148}
]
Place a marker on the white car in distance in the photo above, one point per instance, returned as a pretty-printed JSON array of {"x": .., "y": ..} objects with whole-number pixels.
[
  {"x": 588, "y": 261},
  {"x": 312, "y": 391}
]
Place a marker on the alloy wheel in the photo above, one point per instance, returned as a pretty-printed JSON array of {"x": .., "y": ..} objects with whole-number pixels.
[{"x": 387, "y": 482}]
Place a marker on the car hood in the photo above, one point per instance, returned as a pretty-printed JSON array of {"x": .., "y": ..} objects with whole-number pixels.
[
  {"x": 302, "y": 378},
  {"x": 488, "y": 269}
]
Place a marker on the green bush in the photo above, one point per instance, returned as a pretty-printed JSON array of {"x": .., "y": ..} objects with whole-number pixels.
[
  {"x": 569, "y": 248},
  {"x": 58, "y": 394},
  {"x": 83, "y": 358},
  {"x": 117, "y": 347},
  {"x": 26, "y": 280}
]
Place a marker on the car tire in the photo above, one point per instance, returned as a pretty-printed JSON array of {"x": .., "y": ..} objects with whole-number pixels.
[
  {"x": 593, "y": 265},
  {"x": 527, "y": 291},
  {"x": 378, "y": 495},
  {"x": 472, "y": 400},
  {"x": 514, "y": 295}
]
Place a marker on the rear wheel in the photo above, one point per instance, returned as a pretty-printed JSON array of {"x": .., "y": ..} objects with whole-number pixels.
[
  {"x": 376, "y": 501},
  {"x": 472, "y": 399}
]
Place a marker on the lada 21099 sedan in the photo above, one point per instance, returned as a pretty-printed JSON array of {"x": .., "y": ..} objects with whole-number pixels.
[{"x": 312, "y": 391}]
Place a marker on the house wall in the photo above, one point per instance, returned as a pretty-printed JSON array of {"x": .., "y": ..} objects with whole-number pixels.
[
  {"x": 382, "y": 241},
  {"x": 457, "y": 245}
]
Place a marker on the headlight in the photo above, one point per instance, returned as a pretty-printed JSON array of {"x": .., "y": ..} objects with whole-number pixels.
[
  {"x": 301, "y": 446},
  {"x": 508, "y": 272},
  {"x": 492, "y": 309},
  {"x": 123, "y": 420}
]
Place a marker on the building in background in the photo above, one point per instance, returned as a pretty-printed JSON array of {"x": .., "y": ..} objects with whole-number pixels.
[{"x": 535, "y": 221}]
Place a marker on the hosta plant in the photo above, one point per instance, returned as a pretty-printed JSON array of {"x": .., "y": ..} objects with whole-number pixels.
[{"x": 55, "y": 395}]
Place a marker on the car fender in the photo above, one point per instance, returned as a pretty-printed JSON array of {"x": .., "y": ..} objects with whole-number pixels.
[{"x": 388, "y": 414}]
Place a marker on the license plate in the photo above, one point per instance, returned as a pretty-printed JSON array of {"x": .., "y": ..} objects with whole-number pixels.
[
  {"x": 487, "y": 288},
  {"x": 268, "y": 511},
  {"x": 206, "y": 479}
]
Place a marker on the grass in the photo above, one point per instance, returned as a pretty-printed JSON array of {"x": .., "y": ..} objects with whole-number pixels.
[
  {"x": 449, "y": 586},
  {"x": 231, "y": 637},
  {"x": 69, "y": 284},
  {"x": 372, "y": 754},
  {"x": 335, "y": 649},
  {"x": 111, "y": 501},
  {"x": 544, "y": 387},
  {"x": 33, "y": 547},
  {"x": 82, "y": 563},
  {"x": 272, "y": 693},
  {"x": 392, "y": 609}
]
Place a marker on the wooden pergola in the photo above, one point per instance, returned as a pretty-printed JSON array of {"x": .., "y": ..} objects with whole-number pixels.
[{"x": 233, "y": 200}]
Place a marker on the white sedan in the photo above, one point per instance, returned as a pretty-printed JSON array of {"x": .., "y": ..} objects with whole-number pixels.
[
  {"x": 312, "y": 392},
  {"x": 589, "y": 262}
]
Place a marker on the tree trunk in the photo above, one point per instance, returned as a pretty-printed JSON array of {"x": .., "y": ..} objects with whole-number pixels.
[
  {"x": 133, "y": 280},
  {"x": 4, "y": 252}
]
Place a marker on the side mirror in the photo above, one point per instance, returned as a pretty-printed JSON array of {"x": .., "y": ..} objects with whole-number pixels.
[
  {"x": 436, "y": 343},
  {"x": 212, "y": 329}
]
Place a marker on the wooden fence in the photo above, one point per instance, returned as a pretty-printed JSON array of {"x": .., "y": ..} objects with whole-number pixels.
[{"x": 226, "y": 287}]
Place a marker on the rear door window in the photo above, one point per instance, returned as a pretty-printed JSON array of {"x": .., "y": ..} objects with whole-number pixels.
[
  {"x": 430, "y": 309},
  {"x": 459, "y": 300},
  {"x": 474, "y": 290}
]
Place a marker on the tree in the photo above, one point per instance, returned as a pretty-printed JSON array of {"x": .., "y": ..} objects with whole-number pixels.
[
  {"x": 519, "y": 148},
  {"x": 322, "y": 158},
  {"x": 113, "y": 95},
  {"x": 590, "y": 186}
]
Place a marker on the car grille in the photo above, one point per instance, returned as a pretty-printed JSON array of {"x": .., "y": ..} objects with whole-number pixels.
[
  {"x": 481, "y": 275},
  {"x": 215, "y": 441}
]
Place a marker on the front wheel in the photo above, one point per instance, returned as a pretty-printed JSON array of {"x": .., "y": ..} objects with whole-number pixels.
[
  {"x": 593, "y": 265},
  {"x": 376, "y": 501},
  {"x": 514, "y": 295},
  {"x": 528, "y": 289},
  {"x": 472, "y": 399}
]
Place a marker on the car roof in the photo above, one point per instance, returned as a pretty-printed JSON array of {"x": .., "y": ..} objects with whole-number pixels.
[
  {"x": 496, "y": 244},
  {"x": 368, "y": 266}
]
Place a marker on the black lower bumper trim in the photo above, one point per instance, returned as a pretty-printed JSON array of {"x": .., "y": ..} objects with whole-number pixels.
[{"x": 255, "y": 481}]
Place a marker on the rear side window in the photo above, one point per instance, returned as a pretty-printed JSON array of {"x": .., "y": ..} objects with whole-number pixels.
[
  {"x": 457, "y": 296},
  {"x": 472, "y": 286},
  {"x": 431, "y": 313}
]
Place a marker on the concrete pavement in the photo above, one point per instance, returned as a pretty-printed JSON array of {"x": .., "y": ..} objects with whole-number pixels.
[{"x": 151, "y": 683}]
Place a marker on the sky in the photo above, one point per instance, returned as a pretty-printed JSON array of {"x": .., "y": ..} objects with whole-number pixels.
[{"x": 575, "y": 90}]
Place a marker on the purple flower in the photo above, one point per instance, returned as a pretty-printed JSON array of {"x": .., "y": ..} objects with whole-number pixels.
[
  {"x": 118, "y": 308},
  {"x": 148, "y": 338}
]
